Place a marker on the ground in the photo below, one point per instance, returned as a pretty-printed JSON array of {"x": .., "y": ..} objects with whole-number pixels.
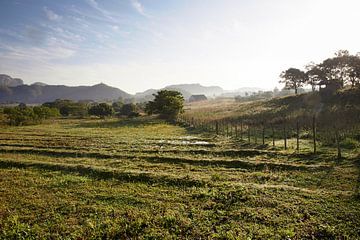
[{"x": 146, "y": 179}]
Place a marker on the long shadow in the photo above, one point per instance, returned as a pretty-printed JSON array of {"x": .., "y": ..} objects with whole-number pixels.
[
  {"x": 236, "y": 164},
  {"x": 172, "y": 160},
  {"x": 122, "y": 122},
  {"x": 106, "y": 174}
]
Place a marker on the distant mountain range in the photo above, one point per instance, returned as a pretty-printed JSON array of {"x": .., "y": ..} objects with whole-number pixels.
[{"x": 14, "y": 90}]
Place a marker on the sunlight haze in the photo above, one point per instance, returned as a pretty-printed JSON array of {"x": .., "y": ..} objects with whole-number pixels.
[{"x": 140, "y": 44}]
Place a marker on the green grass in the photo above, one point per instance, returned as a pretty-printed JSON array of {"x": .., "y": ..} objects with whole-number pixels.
[{"x": 146, "y": 179}]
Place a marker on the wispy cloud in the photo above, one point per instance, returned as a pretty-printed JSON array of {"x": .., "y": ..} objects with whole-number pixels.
[
  {"x": 95, "y": 5},
  {"x": 51, "y": 15},
  {"x": 138, "y": 7}
]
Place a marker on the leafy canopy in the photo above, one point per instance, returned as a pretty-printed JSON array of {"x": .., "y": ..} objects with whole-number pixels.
[{"x": 167, "y": 103}]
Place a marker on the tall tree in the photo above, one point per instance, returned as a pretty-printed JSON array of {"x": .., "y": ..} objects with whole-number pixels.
[
  {"x": 293, "y": 78},
  {"x": 314, "y": 75},
  {"x": 166, "y": 103}
]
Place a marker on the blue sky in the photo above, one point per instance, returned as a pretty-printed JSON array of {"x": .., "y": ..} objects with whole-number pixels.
[{"x": 141, "y": 44}]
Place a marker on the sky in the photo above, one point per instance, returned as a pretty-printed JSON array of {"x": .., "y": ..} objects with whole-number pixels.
[{"x": 140, "y": 44}]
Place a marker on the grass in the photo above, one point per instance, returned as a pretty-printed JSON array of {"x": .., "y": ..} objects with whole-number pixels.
[{"x": 146, "y": 179}]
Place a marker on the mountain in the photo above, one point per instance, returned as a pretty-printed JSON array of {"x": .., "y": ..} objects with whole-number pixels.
[
  {"x": 39, "y": 93},
  {"x": 241, "y": 91},
  {"x": 8, "y": 81},
  {"x": 198, "y": 89},
  {"x": 39, "y": 84},
  {"x": 185, "y": 89}
]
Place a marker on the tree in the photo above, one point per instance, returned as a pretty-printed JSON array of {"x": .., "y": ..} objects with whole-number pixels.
[
  {"x": 314, "y": 75},
  {"x": 293, "y": 79},
  {"x": 167, "y": 103},
  {"x": 129, "y": 110},
  {"x": 101, "y": 110},
  {"x": 68, "y": 107}
]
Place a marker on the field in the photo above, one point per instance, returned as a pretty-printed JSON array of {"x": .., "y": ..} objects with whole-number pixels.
[{"x": 146, "y": 179}]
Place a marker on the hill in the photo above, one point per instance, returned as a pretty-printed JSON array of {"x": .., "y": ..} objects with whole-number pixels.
[
  {"x": 186, "y": 90},
  {"x": 37, "y": 93},
  {"x": 8, "y": 81}
]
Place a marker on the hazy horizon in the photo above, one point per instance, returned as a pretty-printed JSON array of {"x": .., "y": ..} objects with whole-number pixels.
[{"x": 136, "y": 45}]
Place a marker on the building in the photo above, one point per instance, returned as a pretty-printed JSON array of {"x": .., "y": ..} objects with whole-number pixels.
[{"x": 197, "y": 98}]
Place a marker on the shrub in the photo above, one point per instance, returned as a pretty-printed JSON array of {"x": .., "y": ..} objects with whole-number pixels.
[
  {"x": 101, "y": 110},
  {"x": 166, "y": 103}
]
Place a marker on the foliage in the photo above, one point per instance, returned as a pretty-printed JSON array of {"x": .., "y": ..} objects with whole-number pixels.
[
  {"x": 293, "y": 79},
  {"x": 338, "y": 71},
  {"x": 101, "y": 110},
  {"x": 129, "y": 110},
  {"x": 167, "y": 103},
  {"x": 22, "y": 115},
  {"x": 69, "y": 107}
]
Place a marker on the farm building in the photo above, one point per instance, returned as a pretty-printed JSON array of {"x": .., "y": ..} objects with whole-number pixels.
[{"x": 197, "y": 98}]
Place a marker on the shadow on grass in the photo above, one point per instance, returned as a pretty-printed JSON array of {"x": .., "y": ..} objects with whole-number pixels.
[
  {"x": 181, "y": 160},
  {"x": 121, "y": 122},
  {"x": 104, "y": 174}
]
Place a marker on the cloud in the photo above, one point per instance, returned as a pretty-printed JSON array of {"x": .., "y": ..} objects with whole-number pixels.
[
  {"x": 105, "y": 13},
  {"x": 52, "y": 16},
  {"x": 115, "y": 28},
  {"x": 138, "y": 7}
]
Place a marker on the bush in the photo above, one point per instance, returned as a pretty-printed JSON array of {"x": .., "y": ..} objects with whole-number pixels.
[
  {"x": 166, "y": 103},
  {"x": 22, "y": 115},
  {"x": 101, "y": 110},
  {"x": 68, "y": 107},
  {"x": 129, "y": 110}
]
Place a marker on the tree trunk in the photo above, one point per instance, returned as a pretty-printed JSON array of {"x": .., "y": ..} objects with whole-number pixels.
[
  {"x": 249, "y": 140},
  {"x": 236, "y": 132},
  {"x": 217, "y": 127}
]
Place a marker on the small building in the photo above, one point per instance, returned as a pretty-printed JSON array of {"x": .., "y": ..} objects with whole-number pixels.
[
  {"x": 197, "y": 98},
  {"x": 330, "y": 86}
]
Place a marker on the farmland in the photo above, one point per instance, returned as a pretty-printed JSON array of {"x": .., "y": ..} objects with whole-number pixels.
[{"x": 145, "y": 178}]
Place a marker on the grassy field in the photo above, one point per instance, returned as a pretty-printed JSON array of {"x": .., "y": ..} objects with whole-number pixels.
[{"x": 146, "y": 179}]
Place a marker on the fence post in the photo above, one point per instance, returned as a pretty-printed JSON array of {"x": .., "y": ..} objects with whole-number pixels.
[
  {"x": 297, "y": 136},
  {"x": 285, "y": 136},
  {"x": 314, "y": 132},
  {"x": 273, "y": 134},
  {"x": 241, "y": 130},
  {"x": 263, "y": 134},
  {"x": 249, "y": 140},
  {"x": 217, "y": 127},
  {"x": 337, "y": 143},
  {"x": 236, "y": 132}
]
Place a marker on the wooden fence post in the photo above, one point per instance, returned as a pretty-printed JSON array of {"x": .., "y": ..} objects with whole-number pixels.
[
  {"x": 285, "y": 136},
  {"x": 236, "y": 132},
  {"x": 217, "y": 127},
  {"x": 297, "y": 136},
  {"x": 337, "y": 138},
  {"x": 273, "y": 134},
  {"x": 241, "y": 130},
  {"x": 314, "y": 132},
  {"x": 263, "y": 134}
]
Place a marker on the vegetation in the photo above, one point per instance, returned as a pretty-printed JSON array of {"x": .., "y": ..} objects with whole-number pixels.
[
  {"x": 23, "y": 115},
  {"x": 145, "y": 179},
  {"x": 167, "y": 103},
  {"x": 334, "y": 73},
  {"x": 69, "y": 107},
  {"x": 101, "y": 110}
]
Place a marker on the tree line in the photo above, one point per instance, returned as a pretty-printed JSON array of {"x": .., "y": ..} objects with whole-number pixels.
[{"x": 337, "y": 72}]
